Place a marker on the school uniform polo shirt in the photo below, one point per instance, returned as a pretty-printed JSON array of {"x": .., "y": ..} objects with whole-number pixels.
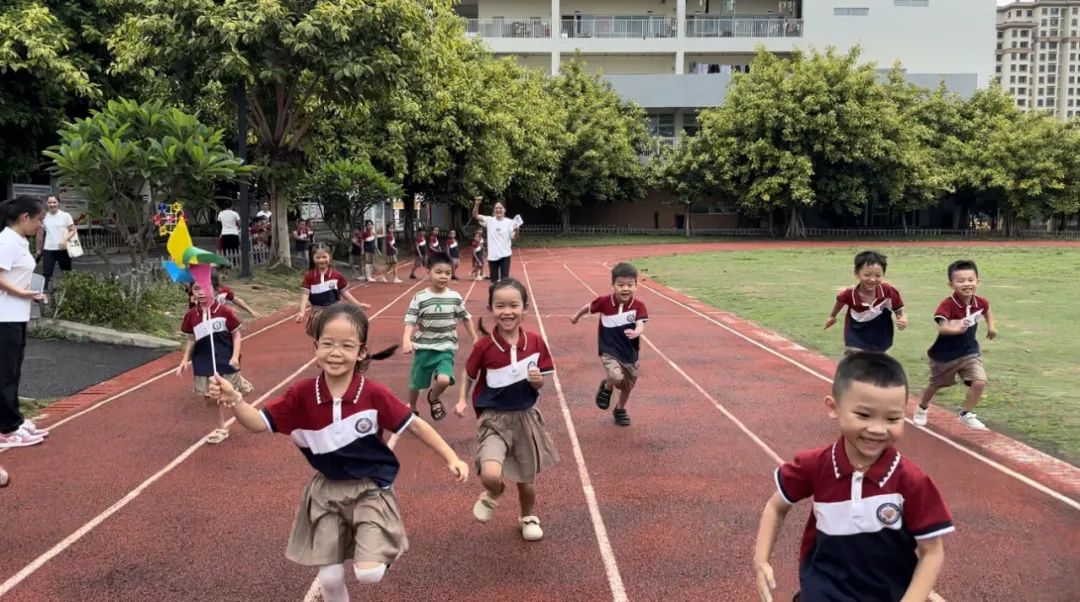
[
  {"x": 860, "y": 540},
  {"x": 870, "y": 327},
  {"x": 324, "y": 288},
  {"x": 615, "y": 319},
  {"x": 369, "y": 241},
  {"x": 453, "y": 248},
  {"x": 220, "y": 326},
  {"x": 502, "y": 371},
  {"x": 342, "y": 438},
  {"x": 225, "y": 294},
  {"x": 949, "y": 347},
  {"x": 391, "y": 243},
  {"x": 421, "y": 246}
]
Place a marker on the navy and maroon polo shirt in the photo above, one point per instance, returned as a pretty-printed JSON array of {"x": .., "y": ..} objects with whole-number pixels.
[
  {"x": 870, "y": 327},
  {"x": 324, "y": 288},
  {"x": 369, "y": 240},
  {"x": 341, "y": 438},
  {"x": 615, "y": 319},
  {"x": 391, "y": 244},
  {"x": 220, "y": 326},
  {"x": 861, "y": 538},
  {"x": 225, "y": 295},
  {"x": 949, "y": 347},
  {"x": 502, "y": 371},
  {"x": 421, "y": 245}
]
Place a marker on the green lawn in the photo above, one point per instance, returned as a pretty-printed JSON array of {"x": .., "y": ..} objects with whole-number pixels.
[
  {"x": 606, "y": 240},
  {"x": 1033, "y": 365}
]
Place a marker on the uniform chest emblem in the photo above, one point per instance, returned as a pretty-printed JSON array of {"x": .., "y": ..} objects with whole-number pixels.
[
  {"x": 365, "y": 426},
  {"x": 888, "y": 513}
]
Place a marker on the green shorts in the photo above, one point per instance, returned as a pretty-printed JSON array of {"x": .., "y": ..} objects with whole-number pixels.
[{"x": 428, "y": 364}]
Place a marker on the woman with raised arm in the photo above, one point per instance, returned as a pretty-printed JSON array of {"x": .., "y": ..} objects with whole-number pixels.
[{"x": 501, "y": 232}]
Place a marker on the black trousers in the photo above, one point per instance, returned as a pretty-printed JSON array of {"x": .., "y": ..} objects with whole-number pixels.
[
  {"x": 499, "y": 269},
  {"x": 230, "y": 242},
  {"x": 12, "y": 350},
  {"x": 49, "y": 261}
]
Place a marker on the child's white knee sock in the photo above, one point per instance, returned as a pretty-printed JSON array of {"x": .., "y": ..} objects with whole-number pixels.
[
  {"x": 332, "y": 582},
  {"x": 369, "y": 576}
]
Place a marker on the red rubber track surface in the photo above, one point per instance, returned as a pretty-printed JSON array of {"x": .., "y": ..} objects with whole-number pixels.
[{"x": 679, "y": 492}]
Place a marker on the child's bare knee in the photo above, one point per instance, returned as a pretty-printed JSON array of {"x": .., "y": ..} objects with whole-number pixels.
[
  {"x": 443, "y": 379},
  {"x": 978, "y": 385}
]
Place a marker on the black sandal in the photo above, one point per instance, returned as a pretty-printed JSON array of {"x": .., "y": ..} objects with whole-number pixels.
[
  {"x": 603, "y": 396},
  {"x": 437, "y": 411},
  {"x": 622, "y": 418}
]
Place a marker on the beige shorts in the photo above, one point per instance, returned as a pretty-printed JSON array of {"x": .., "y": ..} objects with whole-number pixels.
[
  {"x": 241, "y": 384},
  {"x": 969, "y": 369},
  {"x": 616, "y": 370},
  {"x": 339, "y": 520},
  {"x": 517, "y": 441}
]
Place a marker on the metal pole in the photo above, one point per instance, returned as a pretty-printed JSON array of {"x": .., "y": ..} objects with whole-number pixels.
[{"x": 241, "y": 152}]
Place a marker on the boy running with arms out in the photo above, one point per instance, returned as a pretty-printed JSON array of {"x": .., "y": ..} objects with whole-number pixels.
[
  {"x": 868, "y": 325},
  {"x": 875, "y": 532},
  {"x": 622, "y": 320}
]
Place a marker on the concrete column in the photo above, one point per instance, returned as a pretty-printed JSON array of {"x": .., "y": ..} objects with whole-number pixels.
[
  {"x": 680, "y": 17},
  {"x": 556, "y": 35},
  {"x": 680, "y": 62},
  {"x": 679, "y": 113},
  {"x": 556, "y": 62}
]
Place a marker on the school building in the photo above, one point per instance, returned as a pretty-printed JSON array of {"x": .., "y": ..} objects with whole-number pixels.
[{"x": 676, "y": 57}]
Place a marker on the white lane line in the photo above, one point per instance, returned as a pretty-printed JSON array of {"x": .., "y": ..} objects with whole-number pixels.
[
  {"x": 1075, "y": 504},
  {"x": 607, "y": 554},
  {"x": 68, "y": 541}
]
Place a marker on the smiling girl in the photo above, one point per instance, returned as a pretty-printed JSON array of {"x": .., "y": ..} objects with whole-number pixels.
[{"x": 323, "y": 287}]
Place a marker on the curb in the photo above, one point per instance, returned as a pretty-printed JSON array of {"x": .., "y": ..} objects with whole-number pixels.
[{"x": 98, "y": 334}]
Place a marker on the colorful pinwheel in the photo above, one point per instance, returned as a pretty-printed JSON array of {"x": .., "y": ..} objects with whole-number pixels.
[{"x": 189, "y": 263}]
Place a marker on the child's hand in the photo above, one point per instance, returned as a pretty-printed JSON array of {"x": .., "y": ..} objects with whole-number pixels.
[
  {"x": 300, "y": 317},
  {"x": 534, "y": 375},
  {"x": 991, "y": 333},
  {"x": 574, "y": 319},
  {"x": 901, "y": 322},
  {"x": 459, "y": 469},
  {"x": 364, "y": 305},
  {"x": 406, "y": 346},
  {"x": 255, "y": 315},
  {"x": 460, "y": 408},
  {"x": 832, "y": 320},
  {"x": 632, "y": 333},
  {"x": 182, "y": 368},
  {"x": 235, "y": 363},
  {"x": 222, "y": 391},
  {"x": 765, "y": 581}
]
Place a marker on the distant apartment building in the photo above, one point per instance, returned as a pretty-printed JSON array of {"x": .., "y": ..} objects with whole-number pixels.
[{"x": 1038, "y": 55}]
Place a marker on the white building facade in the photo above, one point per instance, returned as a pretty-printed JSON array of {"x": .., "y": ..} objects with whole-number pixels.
[{"x": 1038, "y": 55}]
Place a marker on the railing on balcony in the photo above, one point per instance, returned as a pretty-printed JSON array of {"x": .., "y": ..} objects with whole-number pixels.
[
  {"x": 508, "y": 28},
  {"x": 618, "y": 26},
  {"x": 743, "y": 27}
]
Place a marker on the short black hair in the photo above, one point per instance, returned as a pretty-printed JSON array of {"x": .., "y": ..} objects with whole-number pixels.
[
  {"x": 871, "y": 258},
  {"x": 12, "y": 209},
  {"x": 962, "y": 264},
  {"x": 434, "y": 259},
  {"x": 623, "y": 270},
  {"x": 871, "y": 367}
]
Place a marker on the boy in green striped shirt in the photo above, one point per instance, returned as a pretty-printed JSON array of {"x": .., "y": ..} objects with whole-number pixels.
[{"x": 431, "y": 332}]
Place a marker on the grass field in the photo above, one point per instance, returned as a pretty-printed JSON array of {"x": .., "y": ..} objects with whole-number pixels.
[
  {"x": 1033, "y": 365},
  {"x": 606, "y": 240}
]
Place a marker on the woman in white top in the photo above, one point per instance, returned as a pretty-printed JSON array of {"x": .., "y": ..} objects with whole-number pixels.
[
  {"x": 21, "y": 218},
  {"x": 501, "y": 232},
  {"x": 230, "y": 229},
  {"x": 57, "y": 229}
]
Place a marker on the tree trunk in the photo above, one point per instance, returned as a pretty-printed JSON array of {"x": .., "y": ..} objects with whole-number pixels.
[
  {"x": 795, "y": 227},
  {"x": 279, "y": 207},
  {"x": 903, "y": 221},
  {"x": 565, "y": 216},
  {"x": 408, "y": 215},
  {"x": 686, "y": 222},
  {"x": 1010, "y": 223}
]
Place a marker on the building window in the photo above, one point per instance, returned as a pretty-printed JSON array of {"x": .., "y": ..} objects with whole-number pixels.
[
  {"x": 1022, "y": 91},
  {"x": 690, "y": 124},
  {"x": 1012, "y": 79},
  {"x": 851, "y": 12},
  {"x": 1041, "y": 92},
  {"x": 1021, "y": 102},
  {"x": 662, "y": 124},
  {"x": 1039, "y": 103},
  {"x": 1022, "y": 79},
  {"x": 1050, "y": 101},
  {"x": 1042, "y": 80}
]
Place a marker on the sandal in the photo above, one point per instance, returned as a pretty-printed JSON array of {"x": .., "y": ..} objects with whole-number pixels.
[
  {"x": 437, "y": 411},
  {"x": 218, "y": 436},
  {"x": 603, "y": 396},
  {"x": 622, "y": 418}
]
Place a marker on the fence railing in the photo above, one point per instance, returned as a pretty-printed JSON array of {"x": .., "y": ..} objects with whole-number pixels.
[
  {"x": 260, "y": 255},
  {"x": 619, "y": 26},
  {"x": 502, "y": 28},
  {"x": 556, "y": 229},
  {"x": 100, "y": 238},
  {"x": 743, "y": 27}
]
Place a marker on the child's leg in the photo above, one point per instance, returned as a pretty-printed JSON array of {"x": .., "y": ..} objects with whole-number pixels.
[
  {"x": 491, "y": 478},
  {"x": 442, "y": 382},
  {"x": 414, "y": 395},
  {"x": 974, "y": 395},
  {"x": 624, "y": 395},
  {"x": 369, "y": 573},
  {"x": 527, "y": 498},
  {"x": 928, "y": 395},
  {"x": 332, "y": 583}
]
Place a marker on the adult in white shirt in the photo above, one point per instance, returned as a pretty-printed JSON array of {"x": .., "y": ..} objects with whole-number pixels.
[
  {"x": 21, "y": 218},
  {"x": 501, "y": 232},
  {"x": 57, "y": 229},
  {"x": 230, "y": 229},
  {"x": 264, "y": 211}
]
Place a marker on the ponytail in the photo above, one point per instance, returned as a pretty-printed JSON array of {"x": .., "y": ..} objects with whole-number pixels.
[
  {"x": 12, "y": 209},
  {"x": 364, "y": 364}
]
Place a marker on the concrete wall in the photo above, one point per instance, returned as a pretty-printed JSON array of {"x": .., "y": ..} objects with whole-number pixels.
[
  {"x": 630, "y": 64},
  {"x": 541, "y": 62},
  {"x": 517, "y": 9},
  {"x": 618, "y": 7},
  {"x": 655, "y": 210}
]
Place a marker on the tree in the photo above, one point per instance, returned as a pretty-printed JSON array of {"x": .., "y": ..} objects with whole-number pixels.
[
  {"x": 605, "y": 138},
  {"x": 681, "y": 170},
  {"x": 117, "y": 153},
  {"x": 301, "y": 60},
  {"x": 346, "y": 189}
]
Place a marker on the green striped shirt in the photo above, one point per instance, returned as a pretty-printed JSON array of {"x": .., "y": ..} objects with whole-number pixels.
[{"x": 436, "y": 316}]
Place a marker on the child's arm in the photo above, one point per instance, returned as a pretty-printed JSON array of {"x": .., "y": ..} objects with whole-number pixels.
[
  {"x": 471, "y": 329},
  {"x": 467, "y": 384},
  {"x": 581, "y": 312},
  {"x": 247, "y": 416},
  {"x": 951, "y": 327},
  {"x": 349, "y": 297},
  {"x": 931, "y": 559},
  {"x": 991, "y": 330},
  {"x": 406, "y": 339},
  {"x": 433, "y": 440},
  {"x": 185, "y": 362},
  {"x": 637, "y": 330},
  {"x": 304, "y": 301},
  {"x": 535, "y": 378},
  {"x": 901, "y": 318},
  {"x": 832, "y": 315},
  {"x": 237, "y": 340},
  {"x": 244, "y": 306},
  {"x": 772, "y": 519}
]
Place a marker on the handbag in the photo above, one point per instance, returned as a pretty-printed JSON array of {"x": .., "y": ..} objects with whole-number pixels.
[{"x": 74, "y": 246}]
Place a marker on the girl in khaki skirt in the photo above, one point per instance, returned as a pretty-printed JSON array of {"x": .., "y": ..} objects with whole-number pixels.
[
  {"x": 507, "y": 371},
  {"x": 323, "y": 286},
  {"x": 348, "y": 512}
]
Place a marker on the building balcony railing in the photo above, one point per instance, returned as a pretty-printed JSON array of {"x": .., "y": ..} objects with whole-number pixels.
[
  {"x": 743, "y": 27},
  {"x": 618, "y": 26},
  {"x": 503, "y": 28}
]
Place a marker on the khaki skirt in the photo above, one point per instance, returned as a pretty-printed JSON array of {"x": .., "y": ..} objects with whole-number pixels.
[
  {"x": 342, "y": 520},
  {"x": 518, "y": 441},
  {"x": 241, "y": 384}
]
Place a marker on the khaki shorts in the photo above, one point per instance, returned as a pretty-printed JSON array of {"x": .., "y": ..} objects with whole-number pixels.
[
  {"x": 339, "y": 520},
  {"x": 241, "y": 384},
  {"x": 516, "y": 440},
  {"x": 616, "y": 370},
  {"x": 969, "y": 369}
]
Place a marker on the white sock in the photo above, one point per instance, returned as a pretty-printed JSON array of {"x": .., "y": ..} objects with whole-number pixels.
[
  {"x": 370, "y": 576},
  {"x": 332, "y": 583}
]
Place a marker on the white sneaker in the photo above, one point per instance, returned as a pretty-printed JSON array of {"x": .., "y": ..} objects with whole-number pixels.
[
  {"x": 32, "y": 428},
  {"x": 484, "y": 509},
  {"x": 20, "y": 438},
  {"x": 920, "y": 417},
  {"x": 530, "y": 528},
  {"x": 972, "y": 421},
  {"x": 4, "y": 479}
]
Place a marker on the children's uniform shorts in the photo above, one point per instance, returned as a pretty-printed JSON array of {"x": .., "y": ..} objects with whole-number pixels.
[
  {"x": 969, "y": 369},
  {"x": 616, "y": 370},
  {"x": 369, "y": 258},
  {"x": 241, "y": 384},
  {"x": 428, "y": 364},
  {"x": 356, "y": 250},
  {"x": 391, "y": 257},
  {"x": 419, "y": 261},
  {"x": 518, "y": 441},
  {"x": 342, "y": 520}
]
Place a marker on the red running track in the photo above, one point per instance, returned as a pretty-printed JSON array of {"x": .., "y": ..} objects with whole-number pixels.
[{"x": 677, "y": 495}]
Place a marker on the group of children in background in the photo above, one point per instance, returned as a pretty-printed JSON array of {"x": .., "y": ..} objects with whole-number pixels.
[{"x": 880, "y": 518}]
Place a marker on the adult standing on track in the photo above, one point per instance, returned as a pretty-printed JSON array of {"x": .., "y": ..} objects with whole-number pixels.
[
  {"x": 230, "y": 229},
  {"x": 501, "y": 232},
  {"x": 52, "y": 238},
  {"x": 22, "y": 218}
]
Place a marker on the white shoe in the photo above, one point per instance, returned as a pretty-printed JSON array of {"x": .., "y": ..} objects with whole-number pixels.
[
  {"x": 972, "y": 421},
  {"x": 484, "y": 509},
  {"x": 4, "y": 478},
  {"x": 32, "y": 428},
  {"x": 20, "y": 438},
  {"x": 920, "y": 417},
  {"x": 397, "y": 280},
  {"x": 530, "y": 528}
]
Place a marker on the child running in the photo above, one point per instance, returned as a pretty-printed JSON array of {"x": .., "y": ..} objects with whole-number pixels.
[
  {"x": 478, "y": 254},
  {"x": 349, "y": 512},
  {"x": 876, "y": 527},
  {"x": 431, "y": 332},
  {"x": 507, "y": 371},
  {"x": 371, "y": 249},
  {"x": 454, "y": 251},
  {"x": 433, "y": 245},
  {"x": 956, "y": 350},
  {"x": 622, "y": 320},
  {"x": 213, "y": 333},
  {"x": 868, "y": 324},
  {"x": 356, "y": 253},
  {"x": 323, "y": 287},
  {"x": 304, "y": 238},
  {"x": 225, "y": 295},
  {"x": 420, "y": 248},
  {"x": 391, "y": 256}
]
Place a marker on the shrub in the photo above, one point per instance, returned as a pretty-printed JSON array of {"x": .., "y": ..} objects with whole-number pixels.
[
  {"x": 89, "y": 299},
  {"x": 136, "y": 300}
]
